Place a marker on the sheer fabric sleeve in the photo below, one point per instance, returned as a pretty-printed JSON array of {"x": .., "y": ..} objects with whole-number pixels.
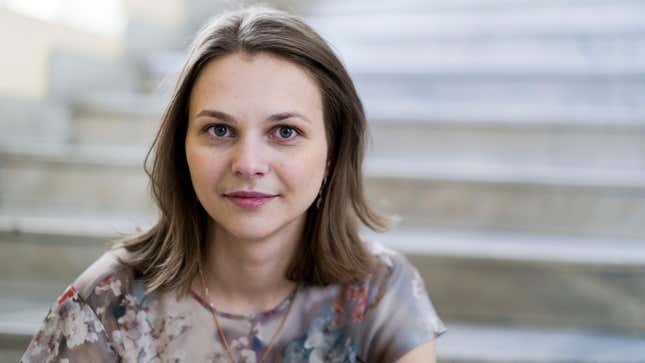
[
  {"x": 71, "y": 332},
  {"x": 400, "y": 316}
]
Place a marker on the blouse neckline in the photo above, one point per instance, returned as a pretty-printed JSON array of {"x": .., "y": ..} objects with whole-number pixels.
[{"x": 263, "y": 315}]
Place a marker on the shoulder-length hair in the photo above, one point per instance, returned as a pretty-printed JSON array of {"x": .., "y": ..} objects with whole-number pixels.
[{"x": 168, "y": 255}]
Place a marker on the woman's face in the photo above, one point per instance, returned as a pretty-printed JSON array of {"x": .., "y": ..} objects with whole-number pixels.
[{"x": 255, "y": 126}]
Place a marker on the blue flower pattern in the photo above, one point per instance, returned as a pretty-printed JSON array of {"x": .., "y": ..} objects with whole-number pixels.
[{"x": 322, "y": 343}]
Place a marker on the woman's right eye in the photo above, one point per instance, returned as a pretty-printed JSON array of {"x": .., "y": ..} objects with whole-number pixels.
[{"x": 219, "y": 130}]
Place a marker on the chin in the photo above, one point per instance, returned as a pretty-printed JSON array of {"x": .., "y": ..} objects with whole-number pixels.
[{"x": 249, "y": 231}]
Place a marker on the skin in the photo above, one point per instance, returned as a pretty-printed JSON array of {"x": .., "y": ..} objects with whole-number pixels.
[
  {"x": 249, "y": 250},
  {"x": 422, "y": 354},
  {"x": 267, "y": 135}
]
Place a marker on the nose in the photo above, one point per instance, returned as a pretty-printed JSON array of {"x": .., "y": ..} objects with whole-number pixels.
[{"x": 249, "y": 159}]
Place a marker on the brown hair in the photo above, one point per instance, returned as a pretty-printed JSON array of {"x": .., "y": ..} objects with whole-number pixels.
[{"x": 167, "y": 256}]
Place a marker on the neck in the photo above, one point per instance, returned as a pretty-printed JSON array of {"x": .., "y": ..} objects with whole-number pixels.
[{"x": 248, "y": 276}]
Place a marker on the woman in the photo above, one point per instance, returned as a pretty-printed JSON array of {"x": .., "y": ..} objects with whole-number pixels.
[{"x": 256, "y": 255}]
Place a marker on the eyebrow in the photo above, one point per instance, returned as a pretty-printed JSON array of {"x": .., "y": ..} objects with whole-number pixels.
[{"x": 229, "y": 118}]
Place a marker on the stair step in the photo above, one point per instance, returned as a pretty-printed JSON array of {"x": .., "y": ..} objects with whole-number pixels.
[
  {"x": 463, "y": 138},
  {"x": 24, "y": 117},
  {"x": 421, "y": 169},
  {"x": 74, "y": 177},
  {"x": 470, "y": 343},
  {"x": 22, "y": 311},
  {"x": 515, "y": 22},
  {"x": 133, "y": 103},
  {"x": 413, "y": 107},
  {"x": 509, "y": 60},
  {"x": 65, "y": 226},
  {"x": 560, "y": 281},
  {"x": 514, "y": 246},
  {"x": 535, "y": 200},
  {"x": 536, "y": 280},
  {"x": 108, "y": 118},
  {"x": 468, "y": 133},
  {"x": 421, "y": 192},
  {"x": 553, "y": 55},
  {"x": 464, "y": 84},
  {"x": 33, "y": 239},
  {"x": 343, "y": 7},
  {"x": 554, "y": 93},
  {"x": 477, "y": 113},
  {"x": 525, "y": 60},
  {"x": 521, "y": 59}
]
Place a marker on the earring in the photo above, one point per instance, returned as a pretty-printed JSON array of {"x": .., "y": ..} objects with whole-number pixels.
[{"x": 319, "y": 199}]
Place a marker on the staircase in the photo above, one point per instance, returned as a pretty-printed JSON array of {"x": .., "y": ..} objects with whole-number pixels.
[{"x": 508, "y": 137}]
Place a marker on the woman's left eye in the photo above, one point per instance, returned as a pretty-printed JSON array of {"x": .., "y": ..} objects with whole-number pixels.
[{"x": 285, "y": 132}]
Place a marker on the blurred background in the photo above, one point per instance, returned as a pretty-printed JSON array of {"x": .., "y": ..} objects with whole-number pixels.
[{"x": 508, "y": 136}]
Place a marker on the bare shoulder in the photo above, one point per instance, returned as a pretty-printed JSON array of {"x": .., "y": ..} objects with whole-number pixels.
[{"x": 422, "y": 354}]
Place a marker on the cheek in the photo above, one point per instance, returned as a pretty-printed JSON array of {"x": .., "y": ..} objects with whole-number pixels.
[
  {"x": 204, "y": 168},
  {"x": 303, "y": 174}
]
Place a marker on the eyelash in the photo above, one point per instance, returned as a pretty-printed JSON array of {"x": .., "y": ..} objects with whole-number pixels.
[{"x": 296, "y": 131}]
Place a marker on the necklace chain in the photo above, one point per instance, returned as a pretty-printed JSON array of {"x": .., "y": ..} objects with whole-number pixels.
[{"x": 221, "y": 332}]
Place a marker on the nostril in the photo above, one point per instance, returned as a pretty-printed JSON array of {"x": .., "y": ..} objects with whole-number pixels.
[
  {"x": 253, "y": 168},
  {"x": 250, "y": 159}
]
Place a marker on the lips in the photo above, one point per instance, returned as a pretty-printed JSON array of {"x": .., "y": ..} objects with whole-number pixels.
[
  {"x": 249, "y": 194},
  {"x": 249, "y": 199}
]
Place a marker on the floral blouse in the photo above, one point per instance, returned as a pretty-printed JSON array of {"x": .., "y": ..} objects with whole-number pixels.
[{"x": 105, "y": 316}]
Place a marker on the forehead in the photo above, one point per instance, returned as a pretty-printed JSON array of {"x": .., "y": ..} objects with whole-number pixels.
[{"x": 261, "y": 82}]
